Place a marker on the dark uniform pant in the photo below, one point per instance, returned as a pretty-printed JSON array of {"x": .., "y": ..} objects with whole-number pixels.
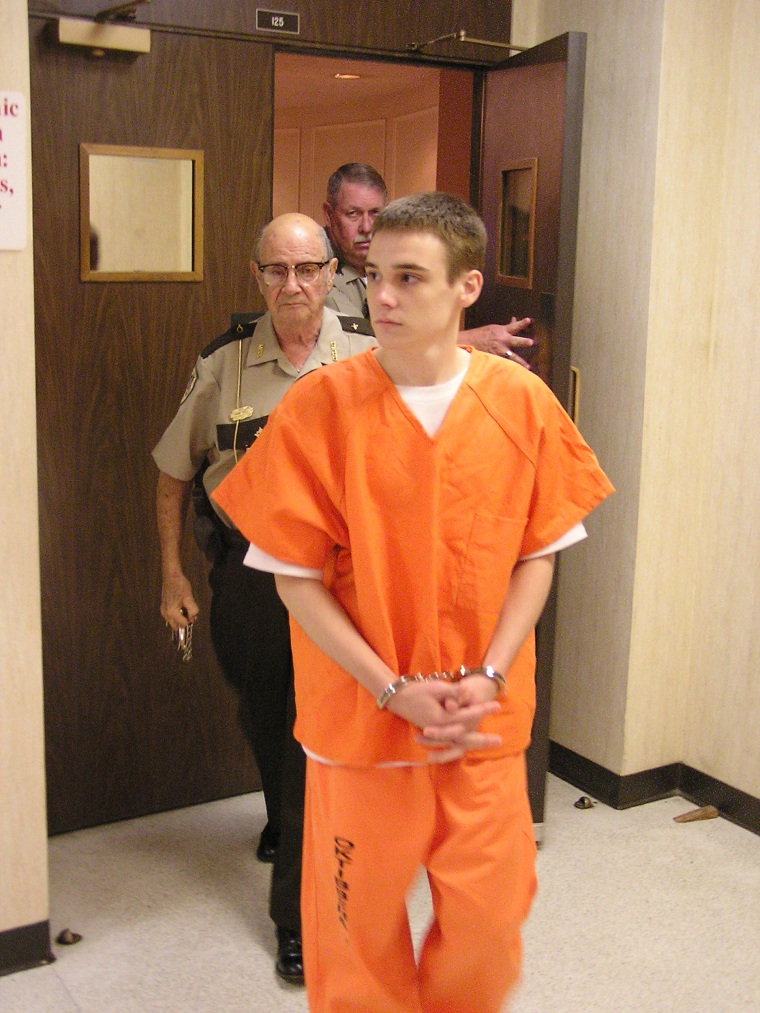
[{"x": 251, "y": 637}]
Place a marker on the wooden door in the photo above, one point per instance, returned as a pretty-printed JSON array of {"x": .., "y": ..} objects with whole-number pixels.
[
  {"x": 130, "y": 729},
  {"x": 527, "y": 192}
]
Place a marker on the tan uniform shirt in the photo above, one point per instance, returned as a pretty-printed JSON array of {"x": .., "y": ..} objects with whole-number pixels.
[
  {"x": 349, "y": 293},
  {"x": 205, "y": 426}
]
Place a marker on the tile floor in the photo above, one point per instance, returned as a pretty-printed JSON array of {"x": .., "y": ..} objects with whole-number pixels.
[{"x": 635, "y": 914}]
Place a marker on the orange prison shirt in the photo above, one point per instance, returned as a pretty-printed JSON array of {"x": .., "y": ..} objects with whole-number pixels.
[{"x": 417, "y": 536}]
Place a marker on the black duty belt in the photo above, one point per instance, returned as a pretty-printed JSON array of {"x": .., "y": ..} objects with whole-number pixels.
[{"x": 232, "y": 538}]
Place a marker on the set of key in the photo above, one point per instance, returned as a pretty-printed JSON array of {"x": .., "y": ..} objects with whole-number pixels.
[{"x": 183, "y": 638}]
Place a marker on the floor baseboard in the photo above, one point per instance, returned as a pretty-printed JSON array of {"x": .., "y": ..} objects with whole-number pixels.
[
  {"x": 25, "y": 947},
  {"x": 625, "y": 791}
]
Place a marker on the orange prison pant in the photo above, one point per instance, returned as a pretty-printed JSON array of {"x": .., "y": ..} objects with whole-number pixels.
[{"x": 367, "y": 832}]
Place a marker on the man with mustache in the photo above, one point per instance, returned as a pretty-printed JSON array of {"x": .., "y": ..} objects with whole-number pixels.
[{"x": 356, "y": 194}]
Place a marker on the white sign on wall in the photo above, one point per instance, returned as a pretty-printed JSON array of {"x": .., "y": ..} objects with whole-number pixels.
[{"x": 13, "y": 170}]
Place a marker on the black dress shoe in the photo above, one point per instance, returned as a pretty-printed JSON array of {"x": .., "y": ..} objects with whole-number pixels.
[
  {"x": 289, "y": 963},
  {"x": 267, "y": 849}
]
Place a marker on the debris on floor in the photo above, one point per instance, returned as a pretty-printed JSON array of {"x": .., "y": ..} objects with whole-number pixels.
[
  {"x": 584, "y": 802},
  {"x": 67, "y": 938},
  {"x": 706, "y": 812}
]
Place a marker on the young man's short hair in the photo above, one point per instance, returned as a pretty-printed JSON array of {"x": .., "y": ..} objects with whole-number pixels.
[
  {"x": 453, "y": 221},
  {"x": 355, "y": 172}
]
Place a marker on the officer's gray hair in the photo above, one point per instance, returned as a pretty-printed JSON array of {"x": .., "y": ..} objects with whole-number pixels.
[{"x": 355, "y": 172}]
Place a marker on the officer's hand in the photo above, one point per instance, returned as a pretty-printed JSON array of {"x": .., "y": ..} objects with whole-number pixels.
[
  {"x": 178, "y": 606},
  {"x": 500, "y": 339}
]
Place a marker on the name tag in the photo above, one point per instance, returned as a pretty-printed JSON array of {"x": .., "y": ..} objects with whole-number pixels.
[{"x": 240, "y": 435}]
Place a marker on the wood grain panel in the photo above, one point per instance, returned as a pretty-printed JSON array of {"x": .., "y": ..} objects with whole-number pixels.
[
  {"x": 373, "y": 26},
  {"x": 519, "y": 112},
  {"x": 130, "y": 729},
  {"x": 454, "y": 132}
]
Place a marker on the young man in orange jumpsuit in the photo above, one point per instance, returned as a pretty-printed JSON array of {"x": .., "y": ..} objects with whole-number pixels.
[{"x": 410, "y": 501}]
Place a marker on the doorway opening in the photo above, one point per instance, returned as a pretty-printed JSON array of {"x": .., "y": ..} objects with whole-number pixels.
[{"x": 412, "y": 123}]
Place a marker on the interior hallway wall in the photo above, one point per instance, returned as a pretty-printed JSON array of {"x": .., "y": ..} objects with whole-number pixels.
[
  {"x": 724, "y": 699},
  {"x": 23, "y": 831},
  {"x": 658, "y": 663},
  {"x": 395, "y": 133}
]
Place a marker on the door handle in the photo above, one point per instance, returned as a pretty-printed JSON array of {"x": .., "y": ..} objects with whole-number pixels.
[{"x": 575, "y": 394}]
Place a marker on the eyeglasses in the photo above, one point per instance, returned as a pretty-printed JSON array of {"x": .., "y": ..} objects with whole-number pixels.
[{"x": 277, "y": 274}]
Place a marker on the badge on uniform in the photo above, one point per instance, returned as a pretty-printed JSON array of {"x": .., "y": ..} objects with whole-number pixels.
[{"x": 241, "y": 414}]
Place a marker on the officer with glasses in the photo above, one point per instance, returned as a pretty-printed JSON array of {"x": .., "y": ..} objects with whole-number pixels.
[{"x": 236, "y": 382}]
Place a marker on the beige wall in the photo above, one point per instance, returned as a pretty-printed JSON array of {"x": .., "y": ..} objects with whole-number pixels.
[
  {"x": 722, "y": 730},
  {"x": 23, "y": 844},
  {"x": 658, "y": 649}
]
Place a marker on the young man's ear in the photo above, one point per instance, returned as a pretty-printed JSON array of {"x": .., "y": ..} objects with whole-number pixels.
[{"x": 472, "y": 286}]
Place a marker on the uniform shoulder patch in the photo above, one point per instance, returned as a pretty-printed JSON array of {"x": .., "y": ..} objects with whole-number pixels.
[
  {"x": 190, "y": 384},
  {"x": 356, "y": 325},
  {"x": 242, "y": 326}
]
